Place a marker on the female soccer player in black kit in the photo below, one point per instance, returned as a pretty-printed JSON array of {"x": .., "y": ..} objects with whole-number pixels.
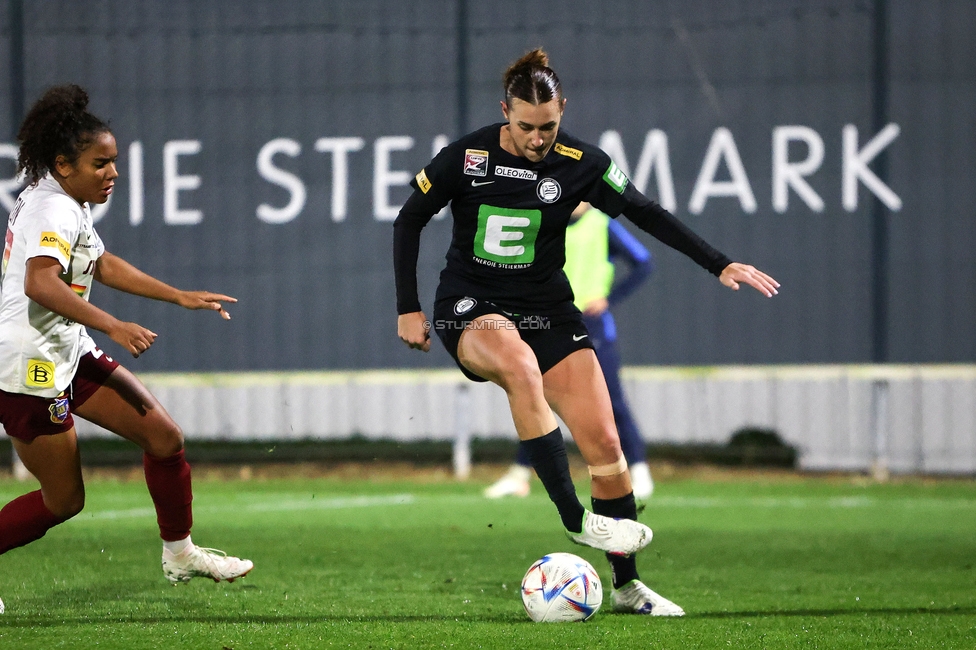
[{"x": 504, "y": 308}]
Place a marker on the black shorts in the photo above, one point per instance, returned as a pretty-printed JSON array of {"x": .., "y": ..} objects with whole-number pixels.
[{"x": 551, "y": 337}]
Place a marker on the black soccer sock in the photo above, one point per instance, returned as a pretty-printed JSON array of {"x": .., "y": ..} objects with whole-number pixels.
[
  {"x": 548, "y": 457},
  {"x": 623, "y": 569}
]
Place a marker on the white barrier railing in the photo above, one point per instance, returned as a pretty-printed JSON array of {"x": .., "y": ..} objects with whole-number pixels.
[{"x": 886, "y": 418}]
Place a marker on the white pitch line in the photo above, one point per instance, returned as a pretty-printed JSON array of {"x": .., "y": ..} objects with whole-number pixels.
[
  {"x": 332, "y": 504},
  {"x": 271, "y": 506},
  {"x": 337, "y": 503},
  {"x": 805, "y": 502}
]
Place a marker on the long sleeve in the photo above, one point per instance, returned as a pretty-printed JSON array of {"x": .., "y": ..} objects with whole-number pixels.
[
  {"x": 414, "y": 215},
  {"x": 615, "y": 194},
  {"x": 664, "y": 226}
]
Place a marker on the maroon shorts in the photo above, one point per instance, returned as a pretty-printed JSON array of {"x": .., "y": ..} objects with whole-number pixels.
[{"x": 27, "y": 416}]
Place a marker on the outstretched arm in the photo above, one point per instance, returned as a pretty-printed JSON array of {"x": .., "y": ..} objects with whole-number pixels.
[
  {"x": 115, "y": 272},
  {"x": 662, "y": 224},
  {"x": 43, "y": 285},
  {"x": 614, "y": 194}
]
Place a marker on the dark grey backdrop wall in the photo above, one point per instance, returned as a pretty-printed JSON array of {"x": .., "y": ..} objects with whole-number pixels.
[{"x": 265, "y": 147}]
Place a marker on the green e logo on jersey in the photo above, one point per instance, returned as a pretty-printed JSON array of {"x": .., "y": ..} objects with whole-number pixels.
[
  {"x": 507, "y": 236},
  {"x": 616, "y": 178}
]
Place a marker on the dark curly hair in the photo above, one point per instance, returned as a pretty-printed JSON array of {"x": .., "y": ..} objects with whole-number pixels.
[
  {"x": 58, "y": 124},
  {"x": 532, "y": 80}
]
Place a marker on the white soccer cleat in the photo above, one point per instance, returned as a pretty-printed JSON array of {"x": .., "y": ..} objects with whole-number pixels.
[
  {"x": 199, "y": 562},
  {"x": 1, "y": 606},
  {"x": 515, "y": 483},
  {"x": 614, "y": 536},
  {"x": 641, "y": 481},
  {"x": 637, "y": 598}
]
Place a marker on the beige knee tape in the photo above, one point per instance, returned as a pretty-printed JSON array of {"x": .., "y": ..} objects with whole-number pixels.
[{"x": 609, "y": 470}]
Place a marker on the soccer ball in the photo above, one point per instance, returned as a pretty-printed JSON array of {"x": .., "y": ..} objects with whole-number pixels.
[{"x": 561, "y": 587}]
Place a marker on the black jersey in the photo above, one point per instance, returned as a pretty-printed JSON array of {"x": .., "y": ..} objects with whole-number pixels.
[{"x": 510, "y": 218}]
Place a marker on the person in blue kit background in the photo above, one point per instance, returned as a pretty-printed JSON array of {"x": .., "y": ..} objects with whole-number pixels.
[{"x": 594, "y": 242}]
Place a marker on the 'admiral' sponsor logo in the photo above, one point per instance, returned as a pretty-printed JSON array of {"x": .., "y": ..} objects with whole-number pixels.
[
  {"x": 569, "y": 152},
  {"x": 514, "y": 172},
  {"x": 475, "y": 162},
  {"x": 549, "y": 190},
  {"x": 422, "y": 181},
  {"x": 54, "y": 240}
]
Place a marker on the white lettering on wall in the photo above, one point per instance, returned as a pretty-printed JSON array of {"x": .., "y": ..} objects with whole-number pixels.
[
  {"x": 439, "y": 142},
  {"x": 293, "y": 184},
  {"x": 384, "y": 178},
  {"x": 174, "y": 183},
  {"x": 721, "y": 147},
  {"x": 98, "y": 210},
  {"x": 136, "y": 184},
  {"x": 339, "y": 148},
  {"x": 856, "y": 167},
  {"x": 653, "y": 157},
  {"x": 788, "y": 174},
  {"x": 9, "y": 187}
]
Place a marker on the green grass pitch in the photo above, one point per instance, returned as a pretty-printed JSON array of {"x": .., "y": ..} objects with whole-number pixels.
[{"x": 781, "y": 562}]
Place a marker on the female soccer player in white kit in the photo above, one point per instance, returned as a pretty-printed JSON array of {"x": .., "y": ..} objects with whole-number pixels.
[{"x": 50, "y": 369}]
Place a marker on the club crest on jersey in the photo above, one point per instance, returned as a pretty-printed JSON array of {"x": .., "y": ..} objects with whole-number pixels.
[
  {"x": 548, "y": 190},
  {"x": 59, "y": 409},
  {"x": 475, "y": 162},
  {"x": 464, "y": 305}
]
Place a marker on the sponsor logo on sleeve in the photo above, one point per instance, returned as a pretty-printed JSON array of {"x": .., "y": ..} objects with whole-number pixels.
[
  {"x": 422, "y": 181},
  {"x": 569, "y": 152},
  {"x": 514, "y": 172},
  {"x": 616, "y": 178},
  {"x": 59, "y": 409},
  {"x": 40, "y": 374},
  {"x": 54, "y": 240},
  {"x": 475, "y": 162},
  {"x": 549, "y": 190}
]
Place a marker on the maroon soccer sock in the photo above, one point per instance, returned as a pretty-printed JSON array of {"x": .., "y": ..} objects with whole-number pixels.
[
  {"x": 168, "y": 480},
  {"x": 24, "y": 520}
]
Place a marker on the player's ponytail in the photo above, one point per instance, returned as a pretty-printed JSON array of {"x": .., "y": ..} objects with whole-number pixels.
[
  {"x": 532, "y": 80},
  {"x": 58, "y": 124}
]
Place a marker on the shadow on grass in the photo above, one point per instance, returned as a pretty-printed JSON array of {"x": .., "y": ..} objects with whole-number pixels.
[
  {"x": 879, "y": 611},
  {"x": 14, "y": 622},
  {"x": 251, "y": 620}
]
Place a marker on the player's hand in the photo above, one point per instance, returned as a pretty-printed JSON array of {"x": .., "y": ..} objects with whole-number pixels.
[
  {"x": 414, "y": 330},
  {"x": 205, "y": 300},
  {"x": 596, "y": 307},
  {"x": 735, "y": 273},
  {"x": 133, "y": 337}
]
